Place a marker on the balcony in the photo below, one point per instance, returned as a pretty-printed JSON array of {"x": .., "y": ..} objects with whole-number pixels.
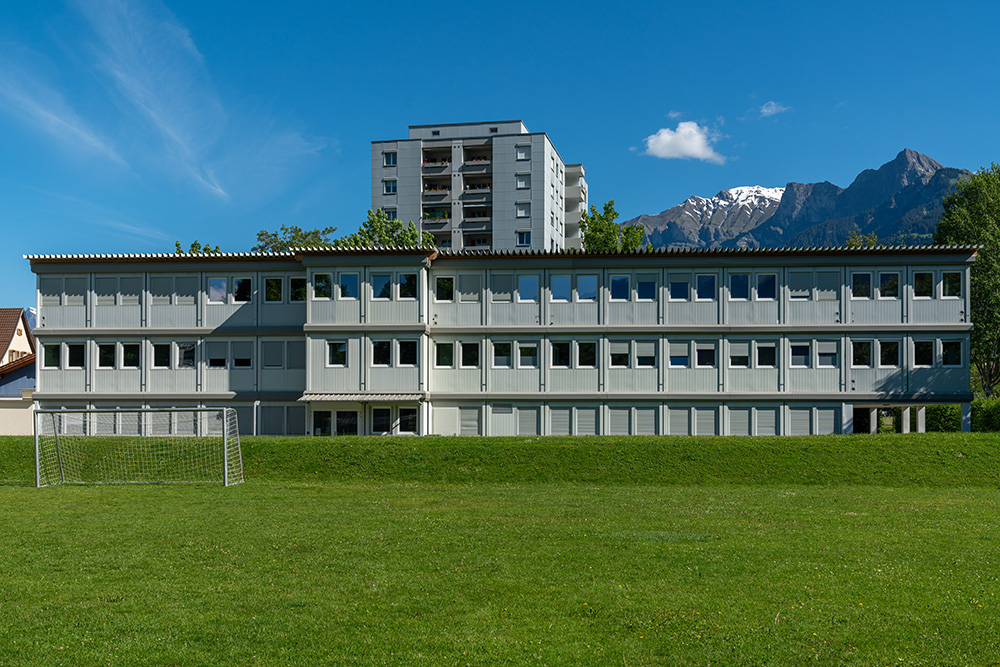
[
  {"x": 576, "y": 192},
  {"x": 477, "y": 225},
  {"x": 438, "y": 194},
  {"x": 477, "y": 241},
  {"x": 437, "y": 163}
]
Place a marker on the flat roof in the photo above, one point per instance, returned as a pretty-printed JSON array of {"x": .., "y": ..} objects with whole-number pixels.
[{"x": 478, "y": 122}]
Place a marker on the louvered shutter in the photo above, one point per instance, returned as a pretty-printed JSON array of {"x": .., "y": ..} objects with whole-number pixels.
[
  {"x": 767, "y": 421},
  {"x": 619, "y": 421},
  {"x": 560, "y": 421},
  {"x": 586, "y": 421},
  {"x": 469, "y": 418},
  {"x": 527, "y": 421},
  {"x": 826, "y": 421},
  {"x": 679, "y": 421},
  {"x": 645, "y": 421},
  {"x": 706, "y": 421},
  {"x": 739, "y": 421},
  {"x": 799, "y": 421}
]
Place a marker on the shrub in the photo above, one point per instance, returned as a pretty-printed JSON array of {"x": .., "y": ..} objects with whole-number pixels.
[
  {"x": 944, "y": 418},
  {"x": 986, "y": 414}
]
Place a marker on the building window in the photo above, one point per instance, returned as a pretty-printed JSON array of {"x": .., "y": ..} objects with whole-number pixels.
[
  {"x": 706, "y": 287},
  {"x": 619, "y": 288},
  {"x": 348, "y": 286},
  {"x": 272, "y": 354},
  {"x": 923, "y": 353},
  {"x": 444, "y": 288},
  {"x": 381, "y": 420},
  {"x": 297, "y": 289},
  {"x": 705, "y": 355},
  {"x": 388, "y": 187},
  {"x": 923, "y": 285},
  {"x": 185, "y": 355},
  {"x": 561, "y": 288},
  {"x": 560, "y": 354},
  {"x": 242, "y": 354},
  {"x": 75, "y": 355},
  {"x": 130, "y": 355},
  {"x": 381, "y": 353},
  {"x": 586, "y": 355},
  {"x": 161, "y": 355},
  {"x": 739, "y": 286},
  {"x": 679, "y": 290},
  {"x": 494, "y": 130},
  {"x": 522, "y": 181},
  {"x": 322, "y": 286},
  {"x": 767, "y": 287},
  {"x": 951, "y": 284},
  {"x": 522, "y": 152},
  {"x": 645, "y": 288},
  {"x": 527, "y": 288},
  {"x": 523, "y": 239},
  {"x": 389, "y": 159},
  {"x": 106, "y": 355},
  {"x": 470, "y": 355},
  {"x": 274, "y": 290},
  {"x": 586, "y": 288},
  {"x": 336, "y": 353},
  {"x": 800, "y": 355},
  {"x": 619, "y": 354},
  {"x": 51, "y": 355},
  {"x": 217, "y": 290},
  {"x": 861, "y": 285},
  {"x": 888, "y": 353},
  {"x": 435, "y": 133},
  {"x": 242, "y": 290},
  {"x": 522, "y": 210},
  {"x": 527, "y": 355},
  {"x": 888, "y": 285},
  {"x": 407, "y": 420},
  {"x": 217, "y": 353},
  {"x": 827, "y": 286},
  {"x": 680, "y": 355},
  {"x": 826, "y": 354},
  {"x": 951, "y": 353},
  {"x": 444, "y": 355},
  {"x": 407, "y": 353},
  {"x": 390, "y": 213},
  {"x": 861, "y": 354},
  {"x": 501, "y": 355},
  {"x": 382, "y": 286},
  {"x": 767, "y": 355},
  {"x": 739, "y": 355},
  {"x": 407, "y": 285},
  {"x": 799, "y": 285},
  {"x": 105, "y": 291},
  {"x": 470, "y": 286},
  {"x": 645, "y": 354}
]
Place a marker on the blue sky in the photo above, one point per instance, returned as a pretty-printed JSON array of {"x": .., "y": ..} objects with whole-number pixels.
[{"x": 127, "y": 125}]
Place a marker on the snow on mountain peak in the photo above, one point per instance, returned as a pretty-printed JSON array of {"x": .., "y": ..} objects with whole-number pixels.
[{"x": 748, "y": 192}]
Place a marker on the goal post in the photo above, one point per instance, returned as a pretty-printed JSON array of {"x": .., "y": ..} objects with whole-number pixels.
[{"x": 137, "y": 446}]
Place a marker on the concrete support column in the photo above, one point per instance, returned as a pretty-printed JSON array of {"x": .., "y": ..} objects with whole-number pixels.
[
  {"x": 873, "y": 420},
  {"x": 847, "y": 418},
  {"x": 906, "y": 419},
  {"x": 922, "y": 419},
  {"x": 966, "y": 417}
]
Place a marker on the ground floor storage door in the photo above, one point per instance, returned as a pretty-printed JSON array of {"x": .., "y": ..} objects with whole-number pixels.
[
  {"x": 469, "y": 421},
  {"x": 739, "y": 421},
  {"x": 347, "y": 422},
  {"x": 645, "y": 421},
  {"x": 527, "y": 421},
  {"x": 586, "y": 421},
  {"x": 560, "y": 421},
  {"x": 618, "y": 424}
]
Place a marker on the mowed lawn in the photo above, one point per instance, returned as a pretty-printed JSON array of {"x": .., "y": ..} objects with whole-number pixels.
[{"x": 550, "y": 551}]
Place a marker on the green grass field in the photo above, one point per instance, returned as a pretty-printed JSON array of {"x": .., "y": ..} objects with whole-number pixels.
[{"x": 843, "y": 550}]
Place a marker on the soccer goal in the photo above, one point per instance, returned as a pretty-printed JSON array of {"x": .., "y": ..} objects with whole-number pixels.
[{"x": 142, "y": 446}]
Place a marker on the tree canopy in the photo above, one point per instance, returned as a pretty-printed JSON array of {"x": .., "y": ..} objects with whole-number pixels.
[
  {"x": 292, "y": 237},
  {"x": 972, "y": 216},
  {"x": 856, "y": 240},
  {"x": 196, "y": 249},
  {"x": 601, "y": 233},
  {"x": 380, "y": 230}
]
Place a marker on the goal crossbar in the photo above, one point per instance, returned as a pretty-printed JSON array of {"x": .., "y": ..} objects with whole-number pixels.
[{"x": 137, "y": 446}]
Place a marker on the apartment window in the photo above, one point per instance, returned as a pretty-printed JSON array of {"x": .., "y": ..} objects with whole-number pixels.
[
  {"x": 619, "y": 288},
  {"x": 161, "y": 288},
  {"x": 336, "y": 351},
  {"x": 444, "y": 288},
  {"x": 435, "y": 133},
  {"x": 242, "y": 290},
  {"x": 382, "y": 286},
  {"x": 389, "y": 187},
  {"x": 503, "y": 287},
  {"x": 800, "y": 355},
  {"x": 923, "y": 353},
  {"x": 76, "y": 290},
  {"x": 407, "y": 285},
  {"x": 217, "y": 290},
  {"x": 522, "y": 210},
  {"x": 739, "y": 355},
  {"x": 523, "y": 239},
  {"x": 389, "y": 159},
  {"x": 381, "y": 420},
  {"x": 888, "y": 353},
  {"x": 645, "y": 288},
  {"x": 494, "y": 130},
  {"x": 242, "y": 354},
  {"x": 522, "y": 152},
  {"x": 951, "y": 284},
  {"x": 679, "y": 290},
  {"x": 130, "y": 355},
  {"x": 826, "y": 354},
  {"x": 923, "y": 285},
  {"x": 680, "y": 355},
  {"x": 407, "y": 353},
  {"x": 381, "y": 353},
  {"x": 586, "y": 288},
  {"x": 527, "y": 355},
  {"x": 106, "y": 291},
  {"x": 106, "y": 355},
  {"x": 706, "y": 287},
  {"x": 502, "y": 355},
  {"x": 297, "y": 289},
  {"x": 349, "y": 285},
  {"x": 767, "y": 287},
  {"x": 217, "y": 353},
  {"x": 407, "y": 420},
  {"x": 51, "y": 355},
  {"x": 888, "y": 285},
  {"x": 444, "y": 355},
  {"x": 161, "y": 355},
  {"x": 861, "y": 354},
  {"x": 274, "y": 290},
  {"x": 272, "y": 354},
  {"x": 390, "y": 213},
  {"x": 767, "y": 355},
  {"x": 185, "y": 355},
  {"x": 645, "y": 354},
  {"x": 296, "y": 355},
  {"x": 827, "y": 286},
  {"x": 51, "y": 289},
  {"x": 560, "y": 354},
  {"x": 619, "y": 354},
  {"x": 799, "y": 285},
  {"x": 951, "y": 353},
  {"x": 522, "y": 181},
  {"x": 705, "y": 355},
  {"x": 75, "y": 355},
  {"x": 739, "y": 286},
  {"x": 861, "y": 285},
  {"x": 586, "y": 355},
  {"x": 527, "y": 288},
  {"x": 561, "y": 288},
  {"x": 470, "y": 285},
  {"x": 470, "y": 355},
  {"x": 322, "y": 286}
]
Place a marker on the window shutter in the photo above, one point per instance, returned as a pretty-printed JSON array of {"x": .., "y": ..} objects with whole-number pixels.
[
  {"x": 826, "y": 421},
  {"x": 799, "y": 421},
  {"x": 586, "y": 421},
  {"x": 272, "y": 420},
  {"x": 679, "y": 421},
  {"x": 706, "y": 421},
  {"x": 767, "y": 421},
  {"x": 619, "y": 421},
  {"x": 560, "y": 421},
  {"x": 469, "y": 418},
  {"x": 739, "y": 421},
  {"x": 527, "y": 421},
  {"x": 645, "y": 421}
]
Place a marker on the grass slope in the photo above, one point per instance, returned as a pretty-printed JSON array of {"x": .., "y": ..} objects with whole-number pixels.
[{"x": 784, "y": 551}]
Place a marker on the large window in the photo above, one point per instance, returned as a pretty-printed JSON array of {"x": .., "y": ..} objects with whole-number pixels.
[
  {"x": 923, "y": 284},
  {"x": 389, "y": 159},
  {"x": 645, "y": 354},
  {"x": 407, "y": 420},
  {"x": 242, "y": 352},
  {"x": 680, "y": 355},
  {"x": 381, "y": 286},
  {"x": 242, "y": 290},
  {"x": 407, "y": 352},
  {"x": 923, "y": 353},
  {"x": 586, "y": 288},
  {"x": 951, "y": 285},
  {"x": 739, "y": 354},
  {"x": 389, "y": 187},
  {"x": 336, "y": 353},
  {"x": 217, "y": 290},
  {"x": 322, "y": 286},
  {"x": 586, "y": 354},
  {"x": 679, "y": 290},
  {"x": 562, "y": 288},
  {"x": 739, "y": 286},
  {"x": 888, "y": 353},
  {"x": 407, "y": 285},
  {"x": 106, "y": 355},
  {"x": 444, "y": 355},
  {"x": 800, "y": 285},
  {"x": 767, "y": 287},
  {"x": 705, "y": 287},
  {"x": 705, "y": 355},
  {"x": 645, "y": 288},
  {"x": 861, "y": 354},
  {"x": 861, "y": 285},
  {"x": 767, "y": 355},
  {"x": 382, "y": 352},
  {"x": 527, "y": 288},
  {"x": 619, "y": 288},
  {"x": 502, "y": 355},
  {"x": 348, "y": 286},
  {"x": 470, "y": 355},
  {"x": 560, "y": 354},
  {"x": 470, "y": 285},
  {"x": 274, "y": 290},
  {"x": 444, "y": 288},
  {"x": 527, "y": 355},
  {"x": 888, "y": 285},
  {"x": 951, "y": 353},
  {"x": 799, "y": 355},
  {"x": 51, "y": 355}
]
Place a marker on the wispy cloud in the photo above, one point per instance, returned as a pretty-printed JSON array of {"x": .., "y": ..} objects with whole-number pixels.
[
  {"x": 59, "y": 205},
  {"x": 773, "y": 108},
  {"x": 674, "y": 114},
  {"x": 25, "y": 94},
  {"x": 689, "y": 140}
]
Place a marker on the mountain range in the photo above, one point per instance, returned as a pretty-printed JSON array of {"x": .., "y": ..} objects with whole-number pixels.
[{"x": 900, "y": 202}]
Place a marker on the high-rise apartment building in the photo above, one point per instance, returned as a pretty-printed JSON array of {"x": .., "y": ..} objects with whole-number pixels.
[{"x": 490, "y": 185}]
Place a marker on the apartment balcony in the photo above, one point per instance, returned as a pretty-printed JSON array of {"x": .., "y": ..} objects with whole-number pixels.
[
  {"x": 435, "y": 224},
  {"x": 477, "y": 167},
  {"x": 577, "y": 192},
  {"x": 573, "y": 217},
  {"x": 477, "y": 225},
  {"x": 437, "y": 195},
  {"x": 436, "y": 164},
  {"x": 478, "y": 241}
]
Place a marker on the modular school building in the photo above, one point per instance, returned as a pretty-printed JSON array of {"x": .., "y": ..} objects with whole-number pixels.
[{"x": 343, "y": 341}]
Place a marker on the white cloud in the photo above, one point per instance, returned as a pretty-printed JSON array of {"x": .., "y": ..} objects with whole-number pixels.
[
  {"x": 674, "y": 115},
  {"x": 773, "y": 108},
  {"x": 689, "y": 140}
]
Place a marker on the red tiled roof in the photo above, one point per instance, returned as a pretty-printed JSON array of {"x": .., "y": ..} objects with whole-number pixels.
[
  {"x": 10, "y": 319},
  {"x": 14, "y": 365}
]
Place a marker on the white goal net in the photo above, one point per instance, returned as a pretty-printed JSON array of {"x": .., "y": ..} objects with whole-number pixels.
[{"x": 151, "y": 446}]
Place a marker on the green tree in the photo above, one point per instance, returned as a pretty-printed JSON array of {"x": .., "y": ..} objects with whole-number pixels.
[
  {"x": 292, "y": 237},
  {"x": 196, "y": 249},
  {"x": 601, "y": 233},
  {"x": 380, "y": 230},
  {"x": 856, "y": 240},
  {"x": 972, "y": 215}
]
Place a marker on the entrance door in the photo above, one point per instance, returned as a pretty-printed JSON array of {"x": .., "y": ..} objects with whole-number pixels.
[
  {"x": 347, "y": 422},
  {"x": 321, "y": 422}
]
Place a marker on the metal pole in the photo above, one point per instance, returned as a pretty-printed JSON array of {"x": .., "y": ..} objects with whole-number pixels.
[
  {"x": 225, "y": 449},
  {"x": 38, "y": 458}
]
